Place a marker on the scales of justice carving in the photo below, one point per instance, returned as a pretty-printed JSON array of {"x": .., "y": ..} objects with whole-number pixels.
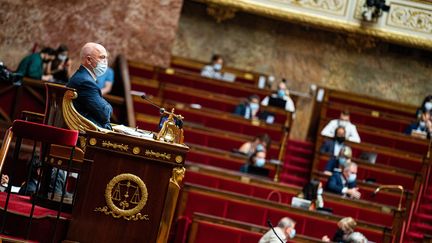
[{"x": 125, "y": 195}]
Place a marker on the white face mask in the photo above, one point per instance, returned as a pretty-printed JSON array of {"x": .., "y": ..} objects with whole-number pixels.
[
  {"x": 100, "y": 68},
  {"x": 254, "y": 106},
  {"x": 428, "y": 105},
  {"x": 259, "y": 162},
  {"x": 217, "y": 66},
  {"x": 62, "y": 57},
  {"x": 320, "y": 191}
]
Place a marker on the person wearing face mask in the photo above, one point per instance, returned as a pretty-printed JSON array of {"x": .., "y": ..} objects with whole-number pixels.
[
  {"x": 345, "y": 229},
  {"x": 313, "y": 191},
  {"x": 351, "y": 133},
  {"x": 282, "y": 94},
  {"x": 90, "y": 103},
  {"x": 344, "y": 183},
  {"x": 61, "y": 66},
  {"x": 285, "y": 230},
  {"x": 423, "y": 127},
  {"x": 332, "y": 147},
  {"x": 335, "y": 163},
  {"x": 426, "y": 105},
  {"x": 35, "y": 65},
  {"x": 213, "y": 70},
  {"x": 259, "y": 143},
  {"x": 256, "y": 160},
  {"x": 248, "y": 109},
  {"x": 106, "y": 81}
]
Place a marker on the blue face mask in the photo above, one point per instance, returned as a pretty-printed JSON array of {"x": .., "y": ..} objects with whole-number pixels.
[
  {"x": 259, "y": 162},
  {"x": 259, "y": 148},
  {"x": 100, "y": 69},
  {"x": 342, "y": 161},
  {"x": 292, "y": 234},
  {"x": 428, "y": 105},
  {"x": 352, "y": 178},
  {"x": 281, "y": 93},
  {"x": 217, "y": 66},
  {"x": 254, "y": 106}
]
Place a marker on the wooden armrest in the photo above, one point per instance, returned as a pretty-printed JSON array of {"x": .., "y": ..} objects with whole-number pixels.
[{"x": 32, "y": 116}]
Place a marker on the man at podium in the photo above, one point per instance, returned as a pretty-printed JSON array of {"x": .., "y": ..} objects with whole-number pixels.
[{"x": 90, "y": 103}]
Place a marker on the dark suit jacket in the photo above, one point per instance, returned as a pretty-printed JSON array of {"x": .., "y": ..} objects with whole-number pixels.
[
  {"x": 90, "y": 102},
  {"x": 335, "y": 183},
  {"x": 328, "y": 147}
]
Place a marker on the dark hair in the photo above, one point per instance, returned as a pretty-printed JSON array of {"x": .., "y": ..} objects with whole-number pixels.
[
  {"x": 426, "y": 99},
  {"x": 345, "y": 112},
  {"x": 48, "y": 50},
  {"x": 254, "y": 96},
  {"x": 264, "y": 138},
  {"x": 62, "y": 48},
  {"x": 310, "y": 190},
  {"x": 216, "y": 57}
]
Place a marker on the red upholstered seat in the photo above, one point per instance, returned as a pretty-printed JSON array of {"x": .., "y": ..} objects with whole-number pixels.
[{"x": 45, "y": 133}]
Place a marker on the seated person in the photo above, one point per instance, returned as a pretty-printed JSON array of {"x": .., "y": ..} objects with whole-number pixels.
[
  {"x": 344, "y": 183},
  {"x": 257, "y": 159},
  {"x": 426, "y": 105},
  {"x": 90, "y": 103},
  {"x": 312, "y": 191},
  {"x": 259, "y": 143},
  {"x": 422, "y": 126},
  {"x": 61, "y": 66},
  {"x": 333, "y": 147},
  {"x": 351, "y": 133},
  {"x": 346, "y": 227},
  {"x": 106, "y": 81},
  {"x": 4, "y": 183},
  {"x": 35, "y": 65},
  {"x": 213, "y": 69},
  {"x": 284, "y": 231},
  {"x": 283, "y": 94},
  {"x": 335, "y": 163},
  {"x": 248, "y": 109}
]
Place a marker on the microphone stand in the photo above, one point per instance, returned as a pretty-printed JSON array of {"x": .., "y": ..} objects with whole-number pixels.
[
  {"x": 161, "y": 110},
  {"x": 274, "y": 231}
]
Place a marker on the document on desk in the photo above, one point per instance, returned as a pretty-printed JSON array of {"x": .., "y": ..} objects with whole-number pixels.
[{"x": 133, "y": 131}]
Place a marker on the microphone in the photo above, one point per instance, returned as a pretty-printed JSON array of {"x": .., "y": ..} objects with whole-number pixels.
[
  {"x": 144, "y": 97},
  {"x": 271, "y": 226}
]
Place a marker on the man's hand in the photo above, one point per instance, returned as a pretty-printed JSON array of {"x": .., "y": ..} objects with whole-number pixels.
[
  {"x": 354, "y": 193},
  {"x": 4, "y": 180}
]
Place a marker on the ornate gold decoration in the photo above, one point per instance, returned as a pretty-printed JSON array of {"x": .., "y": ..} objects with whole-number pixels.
[
  {"x": 73, "y": 119},
  {"x": 125, "y": 195},
  {"x": 158, "y": 155},
  {"x": 248, "y": 76},
  {"x": 93, "y": 141},
  {"x": 169, "y": 71},
  {"x": 136, "y": 150},
  {"x": 177, "y": 175},
  {"x": 170, "y": 132},
  {"x": 337, "y": 7},
  {"x": 220, "y": 13},
  {"x": 415, "y": 19},
  {"x": 321, "y": 21},
  {"x": 178, "y": 159},
  {"x": 121, "y": 147}
]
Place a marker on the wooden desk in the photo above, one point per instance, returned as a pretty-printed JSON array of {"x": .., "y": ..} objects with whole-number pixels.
[{"x": 128, "y": 189}]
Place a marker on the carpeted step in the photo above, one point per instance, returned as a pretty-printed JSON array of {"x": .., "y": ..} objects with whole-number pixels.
[
  {"x": 299, "y": 161},
  {"x": 427, "y": 218},
  {"x": 413, "y": 236},
  {"x": 294, "y": 180},
  {"x": 289, "y": 168},
  {"x": 422, "y": 227},
  {"x": 299, "y": 151},
  {"x": 426, "y": 208},
  {"x": 304, "y": 144}
]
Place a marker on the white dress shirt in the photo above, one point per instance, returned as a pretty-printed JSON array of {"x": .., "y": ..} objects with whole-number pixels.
[{"x": 351, "y": 133}]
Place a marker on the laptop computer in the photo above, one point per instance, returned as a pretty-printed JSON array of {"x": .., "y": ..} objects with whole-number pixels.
[
  {"x": 369, "y": 156},
  {"x": 300, "y": 203}
]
